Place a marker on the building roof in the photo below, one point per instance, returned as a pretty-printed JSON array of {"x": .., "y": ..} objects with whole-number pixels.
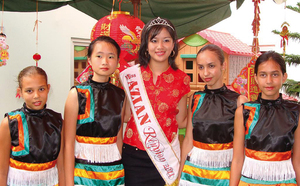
[
  {"x": 291, "y": 98},
  {"x": 227, "y": 42}
]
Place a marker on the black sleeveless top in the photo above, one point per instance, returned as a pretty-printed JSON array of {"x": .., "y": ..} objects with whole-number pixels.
[
  {"x": 213, "y": 115},
  {"x": 35, "y": 134},
  {"x": 100, "y": 107},
  {"x": 273, "y": 126}
]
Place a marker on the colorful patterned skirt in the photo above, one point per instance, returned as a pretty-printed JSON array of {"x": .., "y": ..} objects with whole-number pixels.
[
  {"x": 104, "y": 174},
  {"x": 206, "y": 167},
  {"x": 98, "y": 164}
]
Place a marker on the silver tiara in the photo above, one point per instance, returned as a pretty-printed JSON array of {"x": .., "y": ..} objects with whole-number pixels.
[{"x": 159, "y": 21}]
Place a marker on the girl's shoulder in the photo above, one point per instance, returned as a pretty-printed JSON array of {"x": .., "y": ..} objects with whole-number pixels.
[
  {"x": 13, "y": 112},
  {"x": 233, "y": 92},
  {"x": 283, "y": 103},
  {"x": 293, "y": 105},
  {"x": 117, "y": 89},
  {"x": 54, "y": 113},
  {"x": 291, "y": 102},
  {"x": 22, "y": 113},
  {"x": 85, "y": 83}
]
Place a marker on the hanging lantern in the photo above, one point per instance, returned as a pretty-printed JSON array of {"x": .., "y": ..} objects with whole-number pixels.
[
  {"x": 244, "y": 83},
  {"x": 284, "y": 36},
  {"x": 36, "y": 57},
  {"x": 124, "y": 29}
]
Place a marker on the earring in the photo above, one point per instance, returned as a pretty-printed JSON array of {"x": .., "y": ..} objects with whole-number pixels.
[
  {"x": 146, "y": 53},
  {"x": 172, "y": 54}
]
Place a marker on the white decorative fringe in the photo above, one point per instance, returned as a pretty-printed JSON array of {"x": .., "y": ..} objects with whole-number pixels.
[
  {"x": 211, "y": 158},
  {"x": 18, "y": 177},
  {"x": 96, "y": 153},
  {"x": 268, "y": 170},
  {"x": 187, "y": 183}
]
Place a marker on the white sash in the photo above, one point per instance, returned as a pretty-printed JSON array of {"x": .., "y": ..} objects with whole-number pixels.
[{"x": 161, "y": 152}]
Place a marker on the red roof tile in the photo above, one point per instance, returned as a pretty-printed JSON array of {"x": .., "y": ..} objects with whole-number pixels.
[
  {"x": 285, "y": 96},
  {"x": 227, "y": 42}
]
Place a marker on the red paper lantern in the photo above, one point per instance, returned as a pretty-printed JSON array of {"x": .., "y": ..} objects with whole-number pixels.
[
  {"x": 36, "y": 57},
  {"x": 124, "y": 29}
]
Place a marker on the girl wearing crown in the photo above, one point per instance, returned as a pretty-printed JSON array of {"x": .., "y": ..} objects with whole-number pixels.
[{"x": 157, "y": 90}]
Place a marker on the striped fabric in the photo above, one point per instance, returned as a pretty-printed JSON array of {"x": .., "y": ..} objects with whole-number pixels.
[
  {"x": 194, "y": 175},
  {"x": 252, "y": 182},
  {"x": 86, "y": 174}
]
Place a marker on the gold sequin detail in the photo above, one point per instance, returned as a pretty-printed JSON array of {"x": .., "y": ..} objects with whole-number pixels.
[
  {"x": 163, "y": 107},
  {"x": 151, "y": 87},
  {"x": 146, "y": 76},
  {"x": 169, "y": 78},
  {"x": 175, "y": 183},
  {"x": 129, "y": 133},
  {"x": 157, "y": 92},
  {"x": 173, "y": 136},
  {"x": 168, "y": 122},
  {"x": 186, "y": 80},
  {"x": 175, "y": 93}
]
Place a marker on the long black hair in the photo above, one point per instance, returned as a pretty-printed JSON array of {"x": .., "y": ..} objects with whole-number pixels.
[
  {"x": 270, "y": 55},
  {"x": 106, "y": 39},
  {"x": 148, "y": 33}
]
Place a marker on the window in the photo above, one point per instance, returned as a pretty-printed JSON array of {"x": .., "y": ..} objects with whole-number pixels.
[
  {"x": 189, "y": 65},
  {"x": 200, "y": 79},
  {"x": 191, "y": 76},
  {"x": 80, "y": 61},
  {"x": 79, "y": 58},
  {"x": 191, "y": 70}
]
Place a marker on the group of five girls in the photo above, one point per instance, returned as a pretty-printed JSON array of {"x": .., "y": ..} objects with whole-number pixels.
[{"x": 258, "y": 140}]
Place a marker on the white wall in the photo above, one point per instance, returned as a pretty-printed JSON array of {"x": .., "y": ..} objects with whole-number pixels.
[{"x": 55, "y": 46}]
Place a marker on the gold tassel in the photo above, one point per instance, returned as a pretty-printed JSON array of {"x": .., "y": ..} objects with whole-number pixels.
[{"x": 175, "y": 183}]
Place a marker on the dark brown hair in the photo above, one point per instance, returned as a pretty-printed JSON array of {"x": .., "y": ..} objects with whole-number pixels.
[
  {"x": 31, "y": 70},
  {"x": 214, "y": 48},
  {"x": 270, "y": 55},
  {"x": 106, "y": 39},
  {"x": 149, "y": 33}
]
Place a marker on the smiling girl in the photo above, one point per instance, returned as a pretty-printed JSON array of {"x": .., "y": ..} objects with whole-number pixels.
[
  {"x": 93, "y": 119},
  {"x": 207, "y": 146},
  {"x": 266, "y": 133},
  {"x": 157, "y": 93},
  {"x": 31, "y": 136}
]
